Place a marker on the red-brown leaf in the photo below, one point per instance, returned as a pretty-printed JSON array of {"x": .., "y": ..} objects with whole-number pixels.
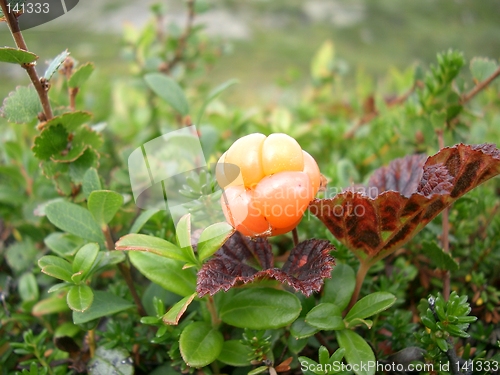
[
  {"x": 376, "y": 226},
  {"x": 242, "y": 260}
]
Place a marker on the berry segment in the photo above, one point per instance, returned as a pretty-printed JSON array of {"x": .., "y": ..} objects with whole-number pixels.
[{"x": 268, "y": 184}]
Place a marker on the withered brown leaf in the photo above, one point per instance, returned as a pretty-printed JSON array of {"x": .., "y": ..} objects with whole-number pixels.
[
  {"x": 374, "y": 227},
  {"x": 242, "y": 260}
]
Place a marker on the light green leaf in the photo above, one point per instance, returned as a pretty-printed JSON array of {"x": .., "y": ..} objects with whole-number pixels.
[
  {"x": 78, "y": 168},
  {"x": 321, "y": 65},
  {"x": 56, "y": 267},
  {"x": 212, "y": 238},
  {"x": 90, "y": 182},
  {"x": 80, "y": 297},
  {"x": 167, "y": 273},
  {"x": 301, "y": 330},
  {"x": 81, "y": 75},
  {"x": 151, "y": 244},
  {"x": 103, "y": 205},
  {"x": 325, "y": 316},
  {"x": 183, "y": 237},
  {"x": 481, "y": 68},
  {"x": 51, "y": 305},
  {"x": 357, "y": 352},
  {"x": 370, "y": 305},
  {"x": 51, "y": 141},
  {"x": 115, "y": 361},
  {"x": 16, "y": 56},
  {"x": 169, "y": 90},
  {"x": 84, "y": 259},
  {"x": 213, "y": 95},
  {"x": 173, "y": 315},
  {"x": 104, "y": 304},
  {"x": 75, "y": 220},
  {"x": 356, "y": 322},
  {"x": 55, "y": 64},
  {"x": 142, "y": 219},
  {"x": 28, "y": 287},
  {"x": 260, "y": 308},
  {"x": 20, "y": 256},
  {"x": 234, "y": 353},
  {"x": 338, "y": 290},
  {"x": 22, "y": 105},
  {"x": 200, "y": 344},
  {"x": 63, "y": 244},
  {"x": 439, "y": 258},
  {"x": 71, "y": 121}
]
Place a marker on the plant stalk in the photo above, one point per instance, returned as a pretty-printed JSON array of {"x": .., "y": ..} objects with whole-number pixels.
[{"x": 360, "y": 277}]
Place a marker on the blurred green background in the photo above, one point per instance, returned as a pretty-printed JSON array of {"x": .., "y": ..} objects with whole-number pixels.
[{"x": 268, "y": 41}]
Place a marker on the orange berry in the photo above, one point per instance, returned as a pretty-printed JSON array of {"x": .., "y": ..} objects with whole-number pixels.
[
  {"x": 312, "y": 170},
  {"x": 281, "y": 153}
]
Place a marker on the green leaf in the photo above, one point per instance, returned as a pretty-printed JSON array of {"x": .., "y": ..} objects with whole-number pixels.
[
  {"x": 110, "y": 361},
  {"x": 103, "y": 205},
  {"x": 183, "y": 237},
  {"x": 81, "y": 75},
  {"x": 142, "y": 219},
  {"x": 28, "y": 287},
  {"x": 20, "y": 256},
  {"x": 51, "y": 305},
  {"x": 55, "y": 64},
  {"x": 151, "y": 244},
  {"x": 234, "y": 353},
  {"x": 80, "y": 297},
  {"x": 16, "y": 56},
  {"x": 439, "y": 258},
  {"x": 80, "y": 166},
  {"x": 212, "y": 239},
  {"x": 56, "y": 267},
  {"x": 481, "y": 68},
  {"x": 104, "y": 304},
  {"x": 83, "y": 138},
  {"x": 63, "y": 244},
  {"x": 167, "y": 273},
  {"x": 173, "y": 315},
  {"x": 322, "y": 62},
  {"x": 71, "y": 121},
  {"x": 338, "y": 290},
  {"x": 213, "y": 95},
  {"x": 370, "y": 305},
  {"x": 356, "y": 322},
  {"x": 22, "y": 105},
  {"x": 200, "y": 344},
  {"x": 301, "y": 330},
  {"x": 50, "y": 142},
  {"x": 169, "y": 90},
  {"x": 84, "y": 260},
  {"x": 90, "y": 182},
  {"x": 260, "y": 308},
  {"x": 325, "y": 316},
  {"x": 75, "y": 220},
  {"x": 357, "y": 352}
]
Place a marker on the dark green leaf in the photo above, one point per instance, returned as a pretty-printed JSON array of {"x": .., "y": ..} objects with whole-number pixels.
[
  {"x": 81, "y": 75},
  {"x": 104, "y": 304},
  {"x": 75, "y": 220},
  {"x": 370, "y": 305},
  {"x": 212, "y": 239},
  {"x": 357, "y": 352},
  {"x": 439, "y": 258},
  {"x": 103, "y": 205},
  {"x": 55, "y": 64},
  {"x": 260, "y": 308},
  {"x": 167, "y": 273},
  {"x": 56, "y": 267},
  {"x": 151, "y": 244},
  {"x": 173, "y": 315},
  {"x": 142, "y": 219},
  {"x": 90, "y": 182},
  {"x": 16, "y": 56},
  {"x": 300, "y": 329},
  {"x": 325, "y": 316},
  {"x": 51, "y": 141},
  {"x": 110, "y": 361},
  {"x": 200, "y": 344},
  {"x": 338, "y": 290},
  {"x": 80, "y": 166},
  {"x": 21, "y": 106},
  {"x": 80, "y": 297},
  {"x": 234, "y": 353},
  {"x": 169, "y": 90}
]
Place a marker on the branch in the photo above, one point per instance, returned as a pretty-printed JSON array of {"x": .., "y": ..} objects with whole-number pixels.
[
  {"x": 480, "y": 86},
  {"x": 182, "y": 43},
  {"x": 41, "y": 89}
]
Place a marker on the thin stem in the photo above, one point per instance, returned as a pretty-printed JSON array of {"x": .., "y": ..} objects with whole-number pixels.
[
  {"x": 480, "y": 86},
  {"x": 213, "y": 311},
  {"x": 125, "y": 271},
  {"x": 445, "y": 238},
  {"x": 295, "y": 235},
  {"x": 30, "y": 68},
  {"x": 91, "y": 342},
  {"x": 360, "y": 277}
]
